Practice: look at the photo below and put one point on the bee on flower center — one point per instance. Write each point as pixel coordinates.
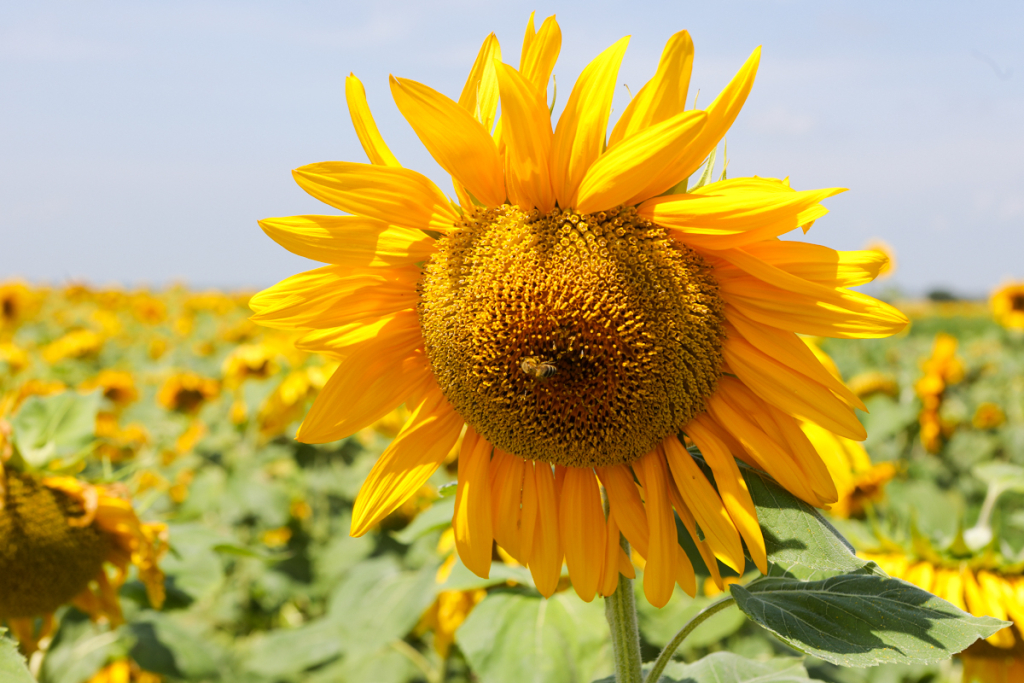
(537, 368)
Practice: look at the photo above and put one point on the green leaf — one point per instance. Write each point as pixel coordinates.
(1003, 475)
(12, 664)
(290, 651)
(862, 619)
(725, 667)
(800, 542)
(60, 426)
(437, 516)
(511, 637)
(177, 645)
(462, 579)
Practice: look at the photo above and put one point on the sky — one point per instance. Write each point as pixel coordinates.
(141, 142)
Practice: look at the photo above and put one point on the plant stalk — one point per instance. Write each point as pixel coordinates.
(666, 655)
(620, 611)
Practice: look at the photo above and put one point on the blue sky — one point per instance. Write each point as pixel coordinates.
(140, 142)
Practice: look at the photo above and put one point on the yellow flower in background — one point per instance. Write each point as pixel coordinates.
(857, 480)
(872, 382)
(118, 386)
(941, 369)
(14, 357)
(57, 536)
(124, 671)
(1007, 304)
(10, 402)
(186, 392)
(574, 311)
(75, 344)
(988, 416)
(148, 309)
(288, 401)
(17, 302)
(249, 361)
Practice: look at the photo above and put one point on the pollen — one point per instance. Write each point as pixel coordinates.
(44, 560)
(578, 340)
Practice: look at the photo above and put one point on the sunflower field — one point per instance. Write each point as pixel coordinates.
(175, 404)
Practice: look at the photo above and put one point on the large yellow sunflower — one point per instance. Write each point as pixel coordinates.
(573, 315)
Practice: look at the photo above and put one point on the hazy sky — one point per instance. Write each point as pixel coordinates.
(141, 141)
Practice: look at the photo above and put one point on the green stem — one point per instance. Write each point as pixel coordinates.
(666, 655)
(620, 611)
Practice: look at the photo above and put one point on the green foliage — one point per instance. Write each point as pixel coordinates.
(12, 664)
(61, 426)
(862, 619)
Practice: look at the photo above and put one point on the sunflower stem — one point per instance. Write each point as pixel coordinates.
(666, 655)
(620, 611)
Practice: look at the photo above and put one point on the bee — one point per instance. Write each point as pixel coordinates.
(537, 368)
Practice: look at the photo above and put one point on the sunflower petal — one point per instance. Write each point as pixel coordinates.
(625, 170)
(398, 196)
(546, 558)
(711, 514)
(820, 264)
(540, 52)
(389, 331)
(369, 384)
(528, 515)
(480, 94)
(624, 502)
(408, 462)
(612, 550)
(664, 96)
(474, 535)
(366, 130)
(580, 134)
(790, 350)
(794, 393)
(660, 570)
(507, 473)
(526, 132)
(731, 486)
(721, 114)
(456, 140)
(583, 531)
(690, 522)
(351, 241)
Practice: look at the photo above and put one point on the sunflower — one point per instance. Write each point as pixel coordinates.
(186, 392)
(1007, 304)
(58, 536)
(578, 312)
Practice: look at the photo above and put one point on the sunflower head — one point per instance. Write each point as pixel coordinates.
(186, 392)
(578, 340)
(1008, 305)
(47, 556)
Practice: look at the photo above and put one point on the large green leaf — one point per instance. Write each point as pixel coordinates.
(800, 542)
(512, 637)
(862, 619)
(12, 664)
(437, 516)
(287, 652)
(58, 426)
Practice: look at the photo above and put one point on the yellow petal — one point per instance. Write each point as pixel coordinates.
(539, 54)
(401, 329)
(721, 114)
(474, 536)
(820, 264)
(529, 513)
(625, 504)
(580, 134)
(852, 315)
(546, 558)
(526, 132)
(690, 522)
(664, 96)
(398, 196)
(582, 528)
(369, 137)
(458, 142)
(327, 298)
(351, 241)
(702, 499)
(794, 393)
(731, 486)
(507, 473)
(625, 169)
(731, 212)
(660, 570)
(369, 384)
(480, 94)
(789, 349)
(612, 550)
(408, 462)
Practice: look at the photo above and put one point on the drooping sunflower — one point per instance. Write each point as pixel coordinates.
(1008, 305)
(576, 315)
(63, 540)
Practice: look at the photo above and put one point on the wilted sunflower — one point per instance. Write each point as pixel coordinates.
(574, 312)
(1008, 305)
(57, 536)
